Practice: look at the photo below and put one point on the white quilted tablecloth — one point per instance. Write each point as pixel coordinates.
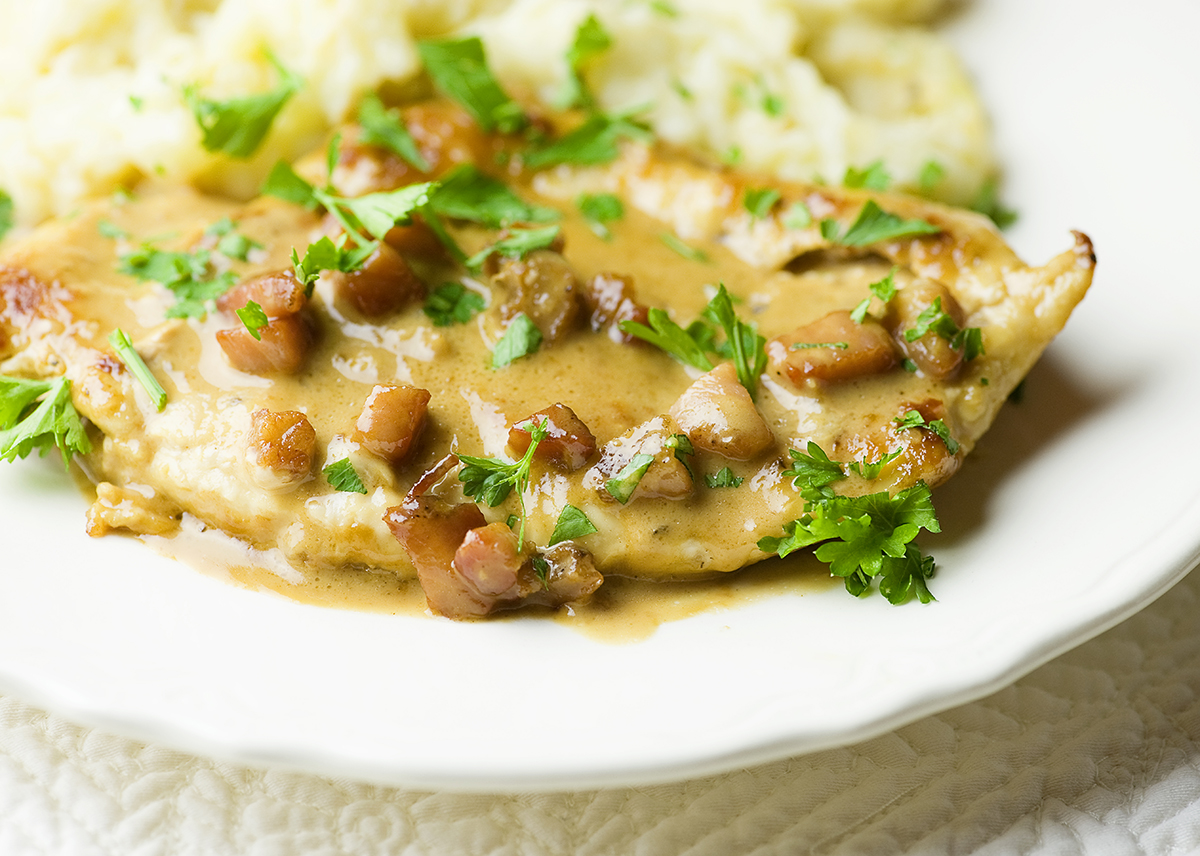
(1095, 752)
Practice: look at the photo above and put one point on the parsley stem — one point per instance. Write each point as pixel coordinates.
(134, 362)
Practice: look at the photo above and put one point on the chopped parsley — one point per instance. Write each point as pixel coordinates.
(688, 346)
(7, 218)
(742, 342)
(108, 229)
(798, 216)
(874, 225)
(492, 479)
(26, 425)
(516, 245)
(381, 128)
(987, 203)
(188, 276)
(254, 319)
(624, 483)
(968, 340)
(914, 419)
(458, 67)
(326, 254)
(134, 362)
(723, 477)
(683, 249)
(861, 538)
(596, 141)
(874, 176)
(591, 40)
(468, 194)
(804, 346)
(238, 126)
(342, 476)
(521, 339)
(759, 201)
(884, 289)
(572, 524)
(930, 177)
(231, 243)
(452, 303)
(600, 209)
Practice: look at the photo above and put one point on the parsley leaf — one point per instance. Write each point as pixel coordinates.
(813, 471)
(468, 194)
(53, 423)
(804, 346)
(884, 289)
(968, 340)
(930, 177)
(7, 218)
(591, 40)
(254, 319)
(670, 337)
(521, 339)
(108, 229)
(723, 477)
(593, 142)
(600, 209)
(238, 126)
(747, 347)
(872, 469)
(874, 176)
(987, 203)
(459, 69)
(623, 484)
(759, 201)
(518, 244)
(914, 419)
(492, 480)
(189, 276)
(798, 216)
(342, 476)
(381, 128)
(452, 303)
(874, 225)
(134, 362)
(686, 250)
(231, 243)
(572, 524)
(325, 254)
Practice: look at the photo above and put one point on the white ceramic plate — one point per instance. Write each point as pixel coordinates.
(1080, 508)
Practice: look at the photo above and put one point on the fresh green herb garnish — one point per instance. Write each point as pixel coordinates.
(452, 303)
(53, 423)
(572, 524)
(798, 216)
(492, 480)
(623, 484)
(189, 276)
(381, 128)
(874, 225)
(662, 7)
(591, 40)
(7, 217)
(968, 340)
(988, 203)
(861, 538)
(231, 243)
(459, 69)
(683, 249)
(326, 254)
(594, 142)
(468, 194)
(137, 103)
(600, 209)
(744, 345)
(342, 476)
(759, 201)
(884, 289)
(238, 126)
(804, 346)
(871, 470)
(914, 419)
(681, 90)
(664, 333)
(108, 229)
(930, 177)
(517, 245)
(723, 477)
(732, 156)
(874, 176)
(134, 362)
(521, 339)
(254, 319)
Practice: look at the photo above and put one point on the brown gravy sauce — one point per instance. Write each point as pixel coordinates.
(623, 610)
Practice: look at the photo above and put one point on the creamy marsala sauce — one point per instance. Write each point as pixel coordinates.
(202, 460)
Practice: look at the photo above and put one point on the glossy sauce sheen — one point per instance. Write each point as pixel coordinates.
(191, 458)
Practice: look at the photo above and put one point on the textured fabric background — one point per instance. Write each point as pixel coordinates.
(1096, 752)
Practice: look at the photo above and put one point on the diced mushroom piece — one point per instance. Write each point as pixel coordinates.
(924, 455)
(391, 421)
(571, 575)
(645, 461)
(568, 443)
(718, 415)
(544, 287)
(609, 298)
(282, 348)
(931, 351)
(280, 448)
(833, 348)
(415, 239)
(488, 560)
(383, 284)
(278, 292)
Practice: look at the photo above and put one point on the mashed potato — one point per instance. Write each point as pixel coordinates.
(92, 100)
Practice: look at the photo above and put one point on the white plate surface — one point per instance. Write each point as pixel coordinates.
(1081, 507)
